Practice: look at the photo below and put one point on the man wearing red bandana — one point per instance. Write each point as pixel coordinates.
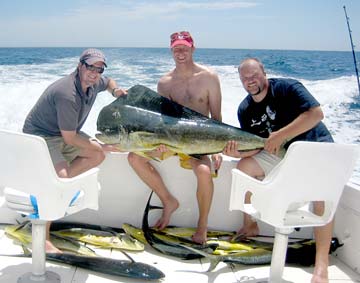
(196, 87)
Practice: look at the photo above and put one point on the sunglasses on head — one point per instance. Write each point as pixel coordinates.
(180, 35)
(93, 68)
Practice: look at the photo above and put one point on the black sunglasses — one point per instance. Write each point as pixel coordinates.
(93, 68)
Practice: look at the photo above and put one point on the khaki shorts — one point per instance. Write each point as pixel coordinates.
(60, 151)
(266, 161)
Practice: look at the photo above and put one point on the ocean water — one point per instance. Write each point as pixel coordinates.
(329, 76)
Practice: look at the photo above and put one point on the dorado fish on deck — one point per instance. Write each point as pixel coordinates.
(102, 239)
(98, 235)
(80, 256)
(170, 245)
(117, 267)
(249, 251)
(142, 120)
(104, 265)
(22, 234)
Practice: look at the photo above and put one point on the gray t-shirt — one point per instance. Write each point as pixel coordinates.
(62, 106)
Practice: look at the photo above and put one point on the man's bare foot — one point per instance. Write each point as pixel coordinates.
(320, 275)
(319, 279)
(250, 229)
(200, 236)
(169, 207)
(50, 248)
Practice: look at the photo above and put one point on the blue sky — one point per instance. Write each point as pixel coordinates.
(253, 24)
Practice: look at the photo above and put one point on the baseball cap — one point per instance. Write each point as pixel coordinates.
(181, 38)
(92, 55)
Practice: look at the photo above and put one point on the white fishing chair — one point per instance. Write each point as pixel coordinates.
(310, 171)
(32, 187)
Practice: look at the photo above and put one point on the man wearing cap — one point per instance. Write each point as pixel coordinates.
(62, 110)
(197, 87)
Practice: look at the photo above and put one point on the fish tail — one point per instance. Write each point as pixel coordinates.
(22, 225)
(145, 222)
(26, 251)
(214, 260)
(150, 206)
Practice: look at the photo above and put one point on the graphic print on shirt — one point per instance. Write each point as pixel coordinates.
(265, 123)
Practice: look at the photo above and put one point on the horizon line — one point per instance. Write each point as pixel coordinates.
(154, 47)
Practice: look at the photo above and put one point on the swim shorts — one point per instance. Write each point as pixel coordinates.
(184, 159)
(266, 160)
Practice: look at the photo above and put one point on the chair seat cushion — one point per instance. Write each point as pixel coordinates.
(20, 201)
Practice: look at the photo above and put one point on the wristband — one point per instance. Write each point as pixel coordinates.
(113, 91)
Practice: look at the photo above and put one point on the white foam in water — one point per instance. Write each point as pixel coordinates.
(21, 86)
(16, 102)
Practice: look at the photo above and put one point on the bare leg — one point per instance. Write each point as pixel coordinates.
(151, 177)
(250, 227)
(49, 247)
(323, 236)
(249, 166)
(86, 160)
(204, 194)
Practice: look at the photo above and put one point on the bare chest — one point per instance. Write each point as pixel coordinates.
(190, 94)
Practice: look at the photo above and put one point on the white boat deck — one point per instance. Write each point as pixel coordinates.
(122, 200)
(175, 270)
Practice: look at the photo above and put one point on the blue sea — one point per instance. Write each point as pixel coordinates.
(330, 77)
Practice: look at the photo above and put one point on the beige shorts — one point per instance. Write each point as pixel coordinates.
(60, 151)
(266, 160)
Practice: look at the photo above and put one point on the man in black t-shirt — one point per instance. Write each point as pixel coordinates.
(282, 111)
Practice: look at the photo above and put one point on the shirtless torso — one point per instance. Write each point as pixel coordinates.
(192, 85)
(198, 88)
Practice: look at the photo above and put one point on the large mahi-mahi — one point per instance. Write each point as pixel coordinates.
(142, 120)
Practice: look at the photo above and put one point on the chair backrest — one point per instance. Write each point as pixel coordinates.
(26, 166)
(25, 161)
(310, 171)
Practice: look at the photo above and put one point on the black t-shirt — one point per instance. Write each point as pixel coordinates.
(285, 101)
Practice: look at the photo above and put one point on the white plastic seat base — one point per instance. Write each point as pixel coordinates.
(28, 171)
(309, 172)
(48, 277)
(20, 201)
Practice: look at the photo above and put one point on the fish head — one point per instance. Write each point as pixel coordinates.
(124, 120)
(109, 117)
(110, 126)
